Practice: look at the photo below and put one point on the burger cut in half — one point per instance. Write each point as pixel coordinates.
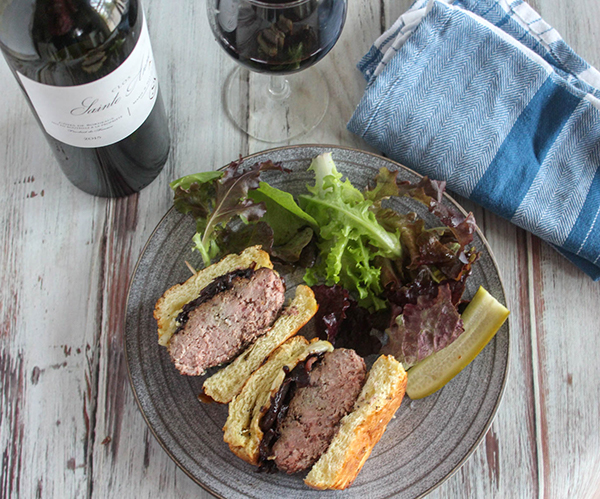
(229, 312)
(314, 409)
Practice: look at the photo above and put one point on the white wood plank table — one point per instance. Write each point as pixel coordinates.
(69, 425)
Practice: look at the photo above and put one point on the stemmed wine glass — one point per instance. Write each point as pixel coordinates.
(271, 40)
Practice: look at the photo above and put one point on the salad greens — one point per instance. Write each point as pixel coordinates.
(368, 258)
(424, 328)
(350, 237)
(215, 198)
(293, 229)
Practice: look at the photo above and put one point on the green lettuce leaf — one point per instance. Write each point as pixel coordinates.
(385, 187)
(196, 178)
(244, 236)
(350, 237)
(293, 228)
(283, 214)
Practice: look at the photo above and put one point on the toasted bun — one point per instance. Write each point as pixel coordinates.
(361, 429)
(242, 431)
(228, 382)
(169, 305)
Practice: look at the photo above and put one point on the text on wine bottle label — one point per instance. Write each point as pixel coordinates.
(105, 111)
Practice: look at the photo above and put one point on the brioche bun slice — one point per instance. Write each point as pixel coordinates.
(361, 429)
(170, 304)
(229, 381)
(242, 430)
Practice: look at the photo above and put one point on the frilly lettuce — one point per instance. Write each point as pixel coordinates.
(350, 236)
(423, 328)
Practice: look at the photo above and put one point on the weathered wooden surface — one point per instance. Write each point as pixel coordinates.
(69, 426)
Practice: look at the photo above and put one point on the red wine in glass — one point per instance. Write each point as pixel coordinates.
(279, 37)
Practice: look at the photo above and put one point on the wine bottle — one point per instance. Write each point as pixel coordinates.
(87, 70)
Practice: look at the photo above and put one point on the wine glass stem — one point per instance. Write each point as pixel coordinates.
(279, 87)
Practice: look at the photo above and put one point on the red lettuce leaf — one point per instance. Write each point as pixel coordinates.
(215, 198)
(424, 328)
(345, 324)
(386, 185)
(444, 251)
(192, 194)
(333, 302)
(357, 330)
(430, 193)
(232, 194)
(424, 284)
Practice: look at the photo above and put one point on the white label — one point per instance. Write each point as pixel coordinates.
(105, 111)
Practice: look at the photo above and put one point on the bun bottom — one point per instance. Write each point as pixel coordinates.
(360, 430)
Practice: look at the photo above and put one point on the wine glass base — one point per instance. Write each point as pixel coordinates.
(272, 114)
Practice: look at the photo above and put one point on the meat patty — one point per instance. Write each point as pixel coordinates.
(218, 329)
(316, 410)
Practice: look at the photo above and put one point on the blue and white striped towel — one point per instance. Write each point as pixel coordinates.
(486, 95)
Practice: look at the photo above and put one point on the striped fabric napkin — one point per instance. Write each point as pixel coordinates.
(486, 95)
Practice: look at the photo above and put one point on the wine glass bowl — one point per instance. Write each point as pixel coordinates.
(270, 40)
(279, 37)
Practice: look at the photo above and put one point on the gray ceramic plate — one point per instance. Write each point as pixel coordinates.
(426, 442)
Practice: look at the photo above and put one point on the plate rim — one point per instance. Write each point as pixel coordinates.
(455, 203)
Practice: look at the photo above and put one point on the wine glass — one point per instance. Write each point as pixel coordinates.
(272, 40)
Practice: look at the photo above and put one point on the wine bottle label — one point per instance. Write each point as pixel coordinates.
(105, 111)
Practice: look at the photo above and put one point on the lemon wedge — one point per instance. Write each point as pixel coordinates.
(481, 319)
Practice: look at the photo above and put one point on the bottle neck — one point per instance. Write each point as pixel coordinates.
(69, 29)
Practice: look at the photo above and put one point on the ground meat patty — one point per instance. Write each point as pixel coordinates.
(219, 329)
(316, 410)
